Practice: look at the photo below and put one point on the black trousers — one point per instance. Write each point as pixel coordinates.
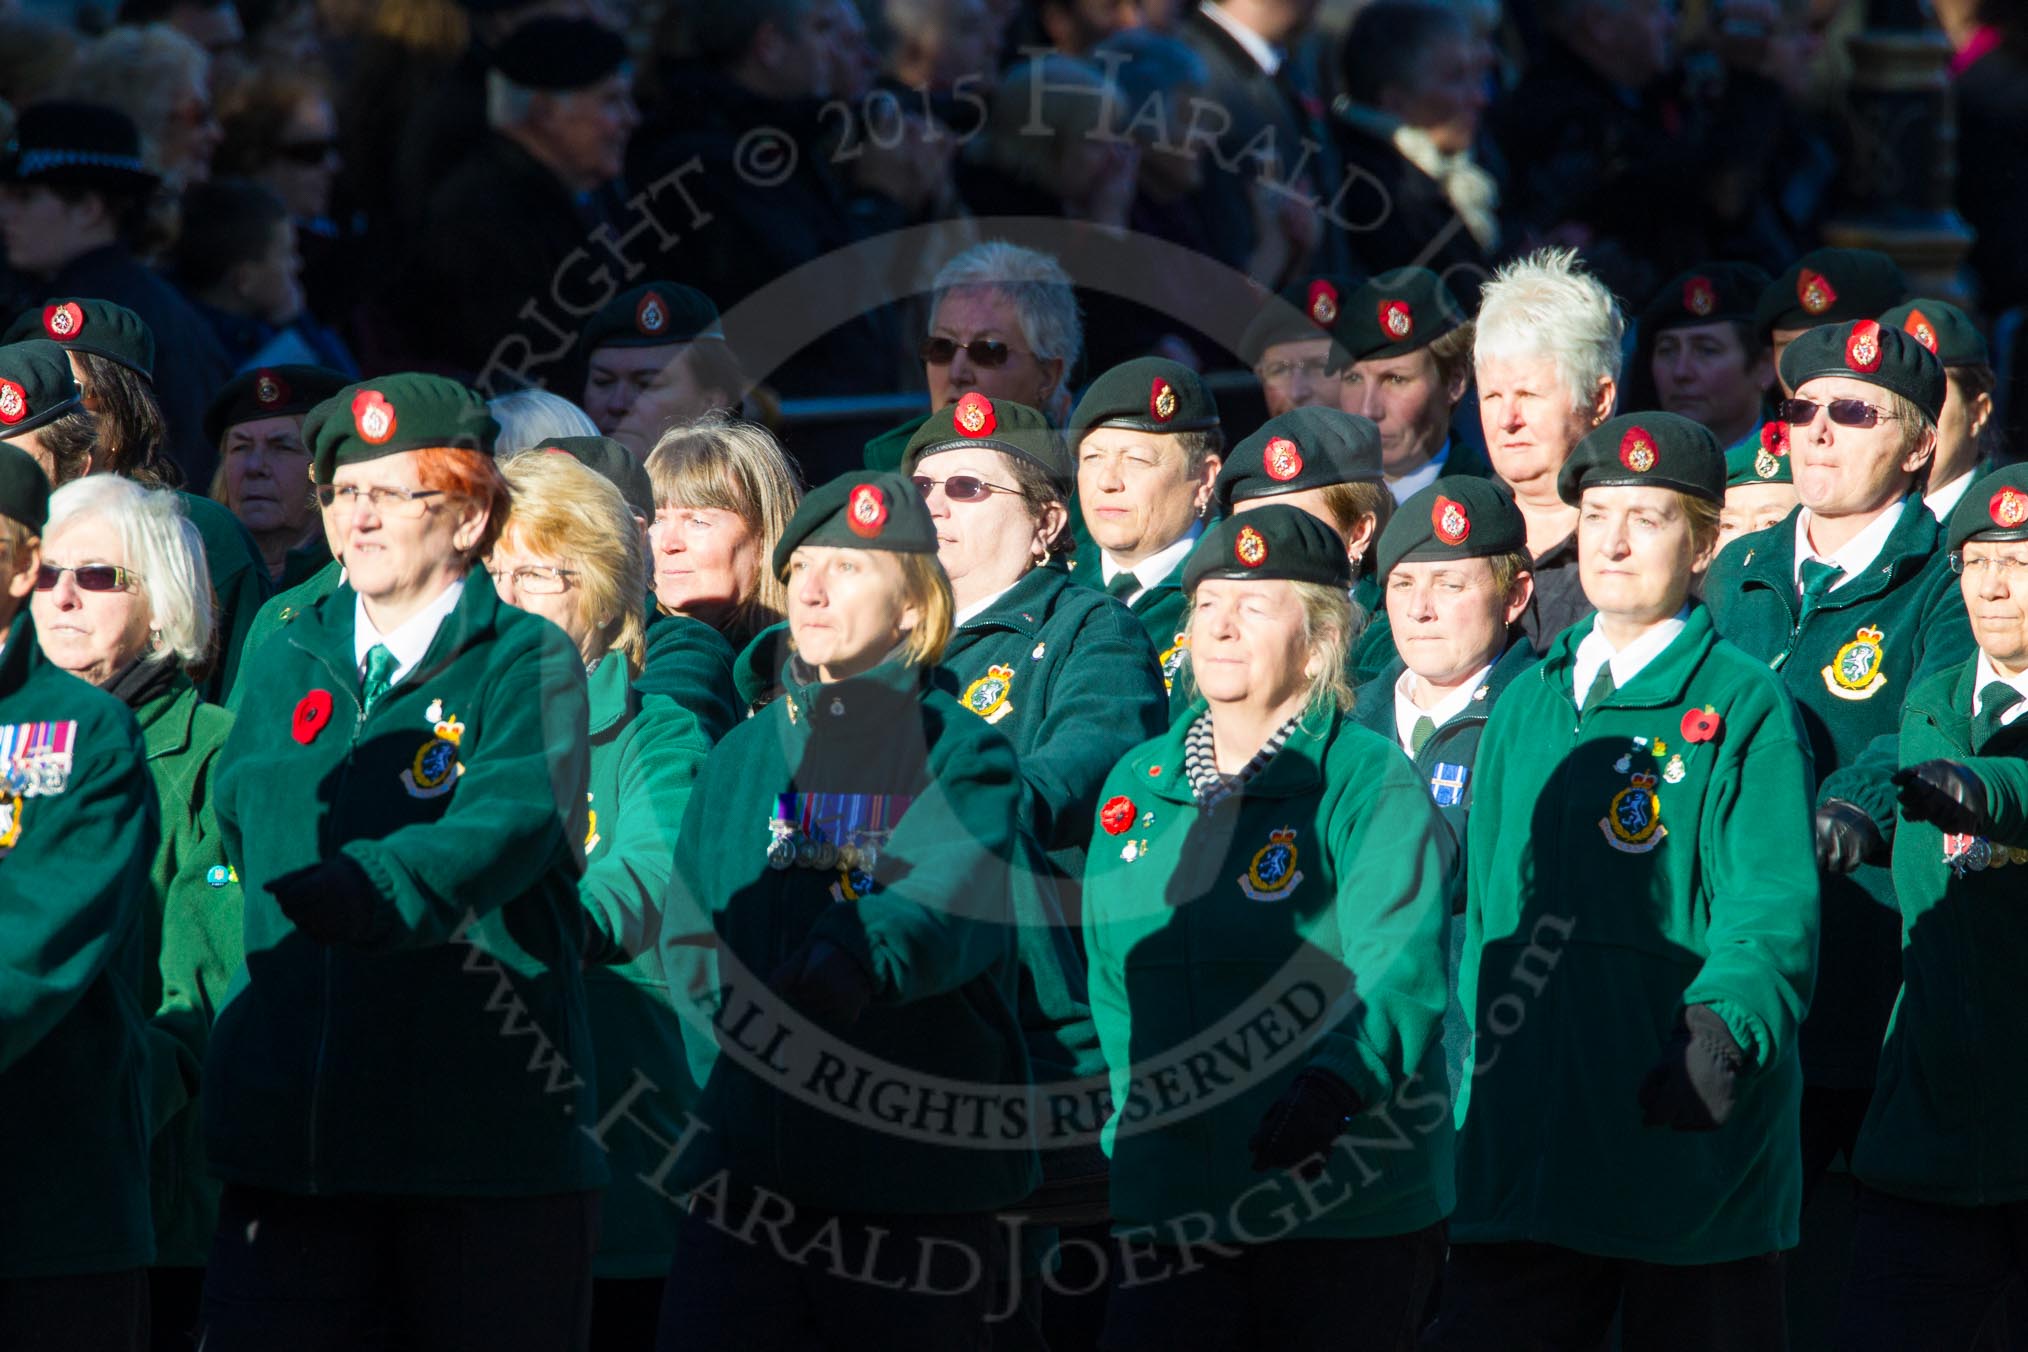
(1831, 1119)
(1294, 1295)
(94, 1312)
(1929, 1278)
(768, 1275)
(1541, 1298)
(400, 1274)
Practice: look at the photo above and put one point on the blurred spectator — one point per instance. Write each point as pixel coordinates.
(36, 55)
(1074, 27)
(1052, 147)
(73, 197)
(505, 222)
(212, 24)
(1156, 77)
(1414, 87)
(1288, 345)
(236, 260)
(656, 355)
(1990, 82)
(403, 54)
(1704, 353)
(282, 34)
(855, 65)
(939, 47)
(161, 79)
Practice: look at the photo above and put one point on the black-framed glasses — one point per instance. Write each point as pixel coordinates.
(408, 502)
(984, 352)
(962, 487)
(92, 577)
(1844, 412)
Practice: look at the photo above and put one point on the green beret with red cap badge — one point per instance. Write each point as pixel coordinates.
(1392, 315)
(269, 392)
(1459, 516)
(24, 488)
(614, 463)
(1831, 286)
(653, 315)
(1147, 394)
(36, 387)
(1646, 450)
(1710, 293)
(1303, 448)
(861, 510)
(1762, 458)
(1300, 311)
(1869, 351)
(1275, 541)
(1993, 508)
(1942, 328)
(410, 411)
(980, 422)
(97, 327)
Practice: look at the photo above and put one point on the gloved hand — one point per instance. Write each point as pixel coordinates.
(1847, 838)
(1696, 1083)
(332, 903)
(1945, 793)
(825, 982)
(1312, 1113)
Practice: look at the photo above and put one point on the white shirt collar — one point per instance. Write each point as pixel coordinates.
(1984, 675)
(1593, 652)
(411, 639)
(1156, 566)
(1859, 551)
(1264, 53)
(1413, 482)
(1406, 711)
(978, 608)
(1941, 500)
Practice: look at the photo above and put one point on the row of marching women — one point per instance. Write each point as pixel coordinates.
(1020, 894)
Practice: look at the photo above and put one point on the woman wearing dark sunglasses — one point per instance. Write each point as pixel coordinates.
(122, 601)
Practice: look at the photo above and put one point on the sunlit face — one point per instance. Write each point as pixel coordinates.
(94, 635)
(1637, 556)
(968, 313)
(1447, 616)
(1995, 587)
(847, 608)
(511, 565)
(707, 562)
(1849, 471)
(987, 544)
(1752, 507)
(1407, 399)
(1703, 372)
(616, 377)
(1247, 642)
(1530, 426)
(267, 475)
(1292, 376)
(398, 556)
(1137, 490)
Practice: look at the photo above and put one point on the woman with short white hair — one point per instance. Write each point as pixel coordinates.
(528, 418)
(1546, 358)
(123, 600)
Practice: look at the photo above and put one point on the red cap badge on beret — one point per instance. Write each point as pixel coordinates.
(1862, 349)
(651, 316)
(1698, 296)
(269, 389)
(2009, 508)
(63, 321)
(1283, 459)
(13, 402)
(1918, 327)
(974, 415)
(1250, 547)
(1323, 306)
(372, 417)
(1161, 400)
(866, 511)
(1815, 292)
(1397, 320)
(1637, 450)
(1450, 521)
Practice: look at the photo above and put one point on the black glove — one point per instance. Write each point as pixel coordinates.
(1695, 1084)
(1311, 1113)
(1945, 793)
(825, 982)
(1847, 838)
(332, 903)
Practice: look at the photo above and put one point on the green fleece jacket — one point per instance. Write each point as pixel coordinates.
(78, 826)
(447, 1053)
(239, 581)
(1646, 855)
(278, 611)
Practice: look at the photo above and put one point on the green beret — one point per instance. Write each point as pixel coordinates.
(860, 511)
(1993, 508)
(654, 315)
(976, 422)
(1459, 516)
(1148, 394)
(1942, 328)
(269, 392)
(612, 462)
(98, 327)
(1396, 313)
(1762, 458)
(36, 386)
(557, 54)
(1646, 450)
(1831, 286)
(1301, 311)
(1276, 541)
(410, 411)
(1303, 448)
(24, 488)
(1710, 293)
(1867, 351)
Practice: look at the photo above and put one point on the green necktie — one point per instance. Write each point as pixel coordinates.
(1601, 685)
(1995, 698)
(1419, 735)
(380, 665)
(1123, 586)
(1817, 579)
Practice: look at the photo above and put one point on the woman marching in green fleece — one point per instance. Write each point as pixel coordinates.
(1640, 944)
(1264, 913)
(840, 913)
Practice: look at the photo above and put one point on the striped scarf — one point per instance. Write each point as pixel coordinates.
(1200, 761)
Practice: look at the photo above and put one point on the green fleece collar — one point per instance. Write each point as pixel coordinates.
(1664, 681)
(1295, 770)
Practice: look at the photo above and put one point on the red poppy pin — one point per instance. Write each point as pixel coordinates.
(1774, 437)
(651, 316)
(1323, 305)
(1250, 547)
(1862, 349)
(63, 321)
(1699, 298)
(1918, 327)
(1702, 725)
(13, 402)
(1450, 520)
(372, 416)
(2009, 508)
(1161, 400)
(1815, 292)
(1397, 319)
(313, 711)
(974, 415)
(1117, 815)
(1283, 459)
(866, 511)
(1637, 450)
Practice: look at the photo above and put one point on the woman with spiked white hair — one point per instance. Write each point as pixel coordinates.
(1547, 361)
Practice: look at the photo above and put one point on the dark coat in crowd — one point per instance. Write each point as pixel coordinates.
(1395, 215)
(1992, 106)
